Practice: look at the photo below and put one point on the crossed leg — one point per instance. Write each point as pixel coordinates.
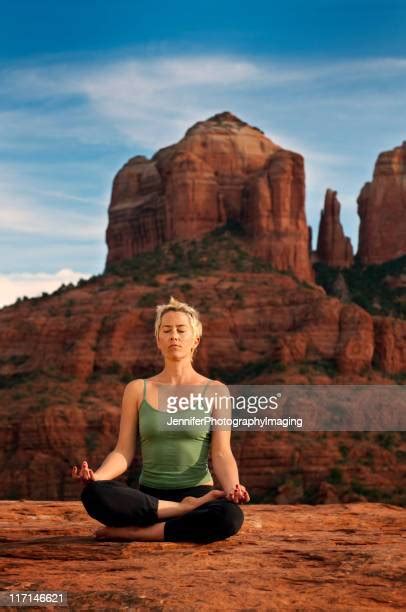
(156, 532)
(129, 514)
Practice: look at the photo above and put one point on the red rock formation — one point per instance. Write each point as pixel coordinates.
(65, 360)
(340, 555)
(333, 247)
(221, 170)
(390, 343)
(382, 209)
(355, 350)
(273, 214)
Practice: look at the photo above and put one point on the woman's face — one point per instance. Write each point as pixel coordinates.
(175, 338)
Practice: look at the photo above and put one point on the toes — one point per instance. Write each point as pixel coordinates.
(216, 494)
(101, 532)
(189, 500)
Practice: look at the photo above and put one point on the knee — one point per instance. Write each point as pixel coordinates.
(90, 492)
(230, 519)
(95, 502)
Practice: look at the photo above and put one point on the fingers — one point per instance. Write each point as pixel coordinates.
(234, 495)
(85, 473)
(244, 493)
(239, 494)
(75, 473)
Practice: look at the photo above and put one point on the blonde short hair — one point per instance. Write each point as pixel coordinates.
(177, 306)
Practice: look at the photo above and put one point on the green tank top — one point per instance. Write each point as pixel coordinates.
(172, 459)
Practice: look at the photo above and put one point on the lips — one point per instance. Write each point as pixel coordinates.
(174, 346)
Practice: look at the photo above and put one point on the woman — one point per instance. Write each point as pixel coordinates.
(176, 500)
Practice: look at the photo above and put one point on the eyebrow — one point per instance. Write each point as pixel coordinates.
(179, 325)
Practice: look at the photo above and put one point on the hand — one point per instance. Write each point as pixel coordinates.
(85, 475)
(238, 495)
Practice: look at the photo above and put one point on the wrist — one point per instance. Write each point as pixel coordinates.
(230, 487)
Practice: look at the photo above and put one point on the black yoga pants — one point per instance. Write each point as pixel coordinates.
(115, 504)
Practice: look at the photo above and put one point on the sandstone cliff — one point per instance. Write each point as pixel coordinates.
(65, 359)
(217, 220)
(333, 247)
(221, 170)
(382, 209)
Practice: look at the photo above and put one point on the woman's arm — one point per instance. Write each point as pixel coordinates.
(225, 468)
(118, 461)
(114, 465)
(224, 463)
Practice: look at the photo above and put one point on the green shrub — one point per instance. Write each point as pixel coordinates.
(113, 368)
(326, 366)
(118, 284)
(368, 458)
(367, 286)
(91, 441)
(15, 360)
(401, 456)
(247, 371)
(344, 450)
(41, 404)
(16, 379)
(223, 249)
(357, 435)
(147, 300)
(278, 366)
(335, 476)
(386, 439)
(372, 494)
(400, 378)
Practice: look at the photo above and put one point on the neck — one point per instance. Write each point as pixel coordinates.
(177, 372)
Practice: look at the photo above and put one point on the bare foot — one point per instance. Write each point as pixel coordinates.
(190, 503)
(151, 533)
(115, 533)
(104, 532)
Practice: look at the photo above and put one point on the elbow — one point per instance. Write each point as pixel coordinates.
(127, 456)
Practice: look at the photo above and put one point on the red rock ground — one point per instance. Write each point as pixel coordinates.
(337, 557)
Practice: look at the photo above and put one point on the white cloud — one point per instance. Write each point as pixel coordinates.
(152, 101)
(150, 75)
(21, 212)
(149, 103)
(13, 286)
(68, 196)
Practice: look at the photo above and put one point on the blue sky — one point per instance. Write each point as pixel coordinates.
(85, 85)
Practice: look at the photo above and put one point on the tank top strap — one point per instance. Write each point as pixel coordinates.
(204, 390)
(145, 389)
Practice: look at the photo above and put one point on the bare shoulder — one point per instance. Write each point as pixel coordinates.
(135, 389)
(135, 384)
(219, 385)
